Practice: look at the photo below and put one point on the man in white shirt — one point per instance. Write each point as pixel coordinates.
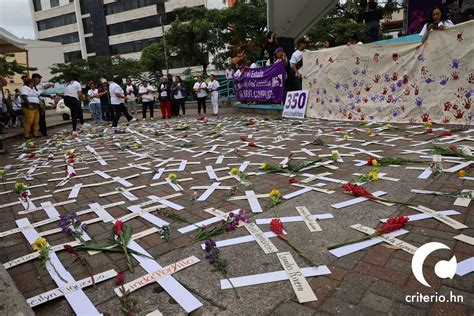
(131, 93)
(213, 86)
(296, 61)
(40, 87)
(117, 99)
(200, 88)
(148, 99)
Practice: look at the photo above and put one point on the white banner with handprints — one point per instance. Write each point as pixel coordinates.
(407, 82)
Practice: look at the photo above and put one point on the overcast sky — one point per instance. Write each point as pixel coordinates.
(15, 17)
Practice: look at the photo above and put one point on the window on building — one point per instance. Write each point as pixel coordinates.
(37, 5)
(90, 44)
(132, 47)
(87, 25)
(126, 5)
(71, 56)
(64, 39)
(84, 6)
(54, 3)
(133, 25)
(57, 21)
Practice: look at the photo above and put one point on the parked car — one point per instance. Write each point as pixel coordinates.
(63, 110)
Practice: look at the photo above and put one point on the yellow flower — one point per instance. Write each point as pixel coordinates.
(19, 186)
(2, 172)
(369, 132)
(461, 173)
(388, 125)
(275, 193)
(335, 155)
(172, 177)
(365, 122)
(264, 166)
(234, 171)
(374, 175)
(374, 162)
(346, 136)
(429, 124)
(39, 243)
(68, 152)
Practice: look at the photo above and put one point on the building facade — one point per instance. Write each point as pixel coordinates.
(104, 27)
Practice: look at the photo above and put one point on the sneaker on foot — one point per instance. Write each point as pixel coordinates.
(134, 119)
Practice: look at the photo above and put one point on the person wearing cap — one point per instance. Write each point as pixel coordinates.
(200, 88)
(104, 97)
(164, 90)
(148, 99)
(296, 61)
(30, 105)
(39, 88)
(213, 87)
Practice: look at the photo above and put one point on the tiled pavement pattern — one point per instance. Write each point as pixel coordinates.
(372, 281)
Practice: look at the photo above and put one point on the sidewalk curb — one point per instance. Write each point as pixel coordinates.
(13, 302)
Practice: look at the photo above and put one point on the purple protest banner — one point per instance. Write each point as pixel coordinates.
(264, 84)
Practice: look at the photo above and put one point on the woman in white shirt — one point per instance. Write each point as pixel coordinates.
(117, 99)
(30, 105)
(200, 88)
(213, 86)
(438, 21)
(94, 103)
(148, 99)
(72, 99)
(178, 88)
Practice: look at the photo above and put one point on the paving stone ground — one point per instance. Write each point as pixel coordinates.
(372, 281)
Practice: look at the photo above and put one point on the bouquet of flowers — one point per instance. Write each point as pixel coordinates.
(385, 161)
(72, 226)
(452, 151)
(230, 224)
(389, 226)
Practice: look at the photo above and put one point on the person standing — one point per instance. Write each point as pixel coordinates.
(39, 87)
(296, 62)
(94, 103)
(213, 87)
(270, 45)
(117, 100)
(200, 88)
(164, 91)
(148, 99)
(72, 99)
(372, 17)
(131, 92)
(179, 95)
(437, 21)
(16, 102)
(30, 105)
(104, 96)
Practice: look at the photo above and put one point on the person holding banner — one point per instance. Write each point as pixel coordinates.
(200, 88)
(438, 21)
(213, 86)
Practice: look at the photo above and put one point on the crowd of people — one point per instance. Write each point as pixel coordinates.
(107, 101)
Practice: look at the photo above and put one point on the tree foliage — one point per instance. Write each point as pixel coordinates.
(9, 66)
(96, 67)
(152, 62)
(344, 20)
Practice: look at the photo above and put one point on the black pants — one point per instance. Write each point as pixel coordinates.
(74, 106)
(42, 123)
(107, 114)
(147, 105)
(118, 110)
(201, 103)
(179, 103)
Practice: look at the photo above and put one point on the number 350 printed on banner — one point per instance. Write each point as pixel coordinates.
(295, 104)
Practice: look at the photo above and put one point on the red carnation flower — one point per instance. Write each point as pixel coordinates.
(453, 148)
(358, 191)
(293, 180)
(393, 224)
(252, 144)
(119, 280)
(244, 138)
(429, 130)
(118, 227)
(370, 161)
(277, 227)
(447, 133)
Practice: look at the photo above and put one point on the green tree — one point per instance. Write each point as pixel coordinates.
(346, 19)
(152, 62)
(194, 35)
(9, 66)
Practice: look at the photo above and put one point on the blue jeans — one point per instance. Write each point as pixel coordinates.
(96, 112)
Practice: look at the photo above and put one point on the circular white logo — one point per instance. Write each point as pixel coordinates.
(443, 269)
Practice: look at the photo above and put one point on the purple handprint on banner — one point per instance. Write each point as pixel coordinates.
(393, 87)
(399, 83)
(355, 72)
(345, 86)
(387, 78)
(468, 94)
(364, 71)
(419, 101)
(444, 80)
(337, 99)
(428, 79)
(421, 58)
(337, 86)
(355, 83)
(455, 63)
